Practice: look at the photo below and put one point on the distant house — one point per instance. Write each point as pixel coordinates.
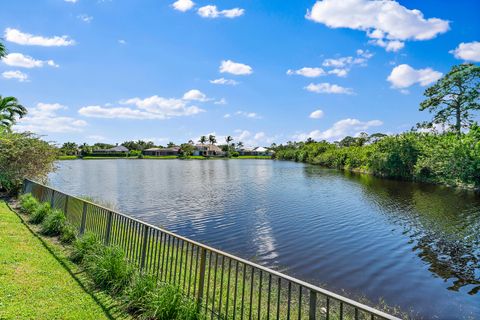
(114, 150)
(257, 151)
(208, 150)
(173, 151)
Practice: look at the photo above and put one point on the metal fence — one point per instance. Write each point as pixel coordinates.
(223, 285)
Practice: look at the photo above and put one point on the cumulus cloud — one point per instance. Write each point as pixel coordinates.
(20, 76)
(183, 5)
(71, 1)
(253, 138)
(467, 51)
(245, 114)
(387, 22)
(404, 76)
(317, 114)
(228, 66)
(19, 37)
(307, 72)
(153, 107)
(326, 87)
(196, 95)
(44, 118)
(211, 11)
(224, 81)
(340, 129)
(23, 61)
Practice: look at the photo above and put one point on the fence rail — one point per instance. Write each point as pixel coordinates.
(224, 286)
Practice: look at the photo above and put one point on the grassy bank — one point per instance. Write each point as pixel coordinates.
(36, 284)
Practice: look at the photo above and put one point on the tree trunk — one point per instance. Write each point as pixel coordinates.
(458, 124)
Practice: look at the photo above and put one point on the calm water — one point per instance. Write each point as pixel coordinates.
(415, 245)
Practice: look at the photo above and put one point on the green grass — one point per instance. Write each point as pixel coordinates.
(107, 158)
(36, 284)
(67, 157)
(160, 157)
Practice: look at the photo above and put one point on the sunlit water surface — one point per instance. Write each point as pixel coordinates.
(417, 246)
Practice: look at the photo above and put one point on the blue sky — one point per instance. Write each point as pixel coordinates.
(111, 71)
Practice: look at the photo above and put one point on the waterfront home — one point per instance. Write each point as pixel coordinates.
(257, 151)
(208, 150)
(173, 151)
(114, 150)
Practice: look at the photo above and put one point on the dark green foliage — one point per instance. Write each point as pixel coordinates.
(68, 233)
(136, 294)
(162, 303)
(28, 203)
(53, 223)
(40, 213)
(431, 157)
(85, 245)
(109, 269)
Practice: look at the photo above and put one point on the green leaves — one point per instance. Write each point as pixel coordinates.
(10, 109)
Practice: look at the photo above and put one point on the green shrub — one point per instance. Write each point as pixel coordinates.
(162, 303)
(68, 233)
(85, 245)
(137, 292)
(42, 210)
(109, 268)
(28, 203)
(53, 223)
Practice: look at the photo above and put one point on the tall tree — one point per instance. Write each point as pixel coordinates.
(9, 110)
(212, 139)
(454, 97)
(202, 140)
(3, 50)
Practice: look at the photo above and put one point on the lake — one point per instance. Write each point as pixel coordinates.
(417, 246)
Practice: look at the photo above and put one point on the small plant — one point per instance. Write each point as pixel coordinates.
(28, 203)
(137, 292)
(53, 223)
(109, 268)
(42, 210)
(83, 246)
(162, 303)
(68, 233)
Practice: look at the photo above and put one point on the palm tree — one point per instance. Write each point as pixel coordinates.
(3, 50)
(9, 109)
(202, 140)
(211, 139)
(239, 144)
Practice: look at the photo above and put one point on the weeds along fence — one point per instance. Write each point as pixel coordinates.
(223, 285)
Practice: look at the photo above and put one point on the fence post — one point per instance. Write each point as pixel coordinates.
(66, 205)
(201, 280)
(52, 198)
(109, 228)
(144, 246)
(84, 218)
(313, 305)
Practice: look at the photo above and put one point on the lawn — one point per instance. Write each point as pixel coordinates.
(37, 281)
(67, 158)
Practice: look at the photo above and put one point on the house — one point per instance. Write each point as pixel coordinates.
(208, 150)
(114, 150)
(257, 151)
(173, 151)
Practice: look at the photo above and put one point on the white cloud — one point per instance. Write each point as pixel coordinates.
(342, 65)
(228, 115)
(222, 101)
(85, 18)
(121, 41)
(230, 82)
(19, 37)
(339, 72)
(44, 119)
(339, 130)
(326, 87)
(467, 51)
(390, 46)
(317, 114)
(307, 72)
(211, 11)
(96, 138)
(20, 60)
(20, 76)
(253, 139)
(195, 95)
(183, 5)
(404, 76)
(384, 21)
(153, 107)
(251, 115)
(71, 1)
(228, 66)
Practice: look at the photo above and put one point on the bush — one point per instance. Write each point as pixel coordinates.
(53, 223)
(23, 155)
(42, 210)
(162, 303)
(85, 245)
(28, 203)
(109, 268)
(68, 234)
(137, 292)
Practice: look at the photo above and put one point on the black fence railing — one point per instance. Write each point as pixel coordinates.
(224, 286)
